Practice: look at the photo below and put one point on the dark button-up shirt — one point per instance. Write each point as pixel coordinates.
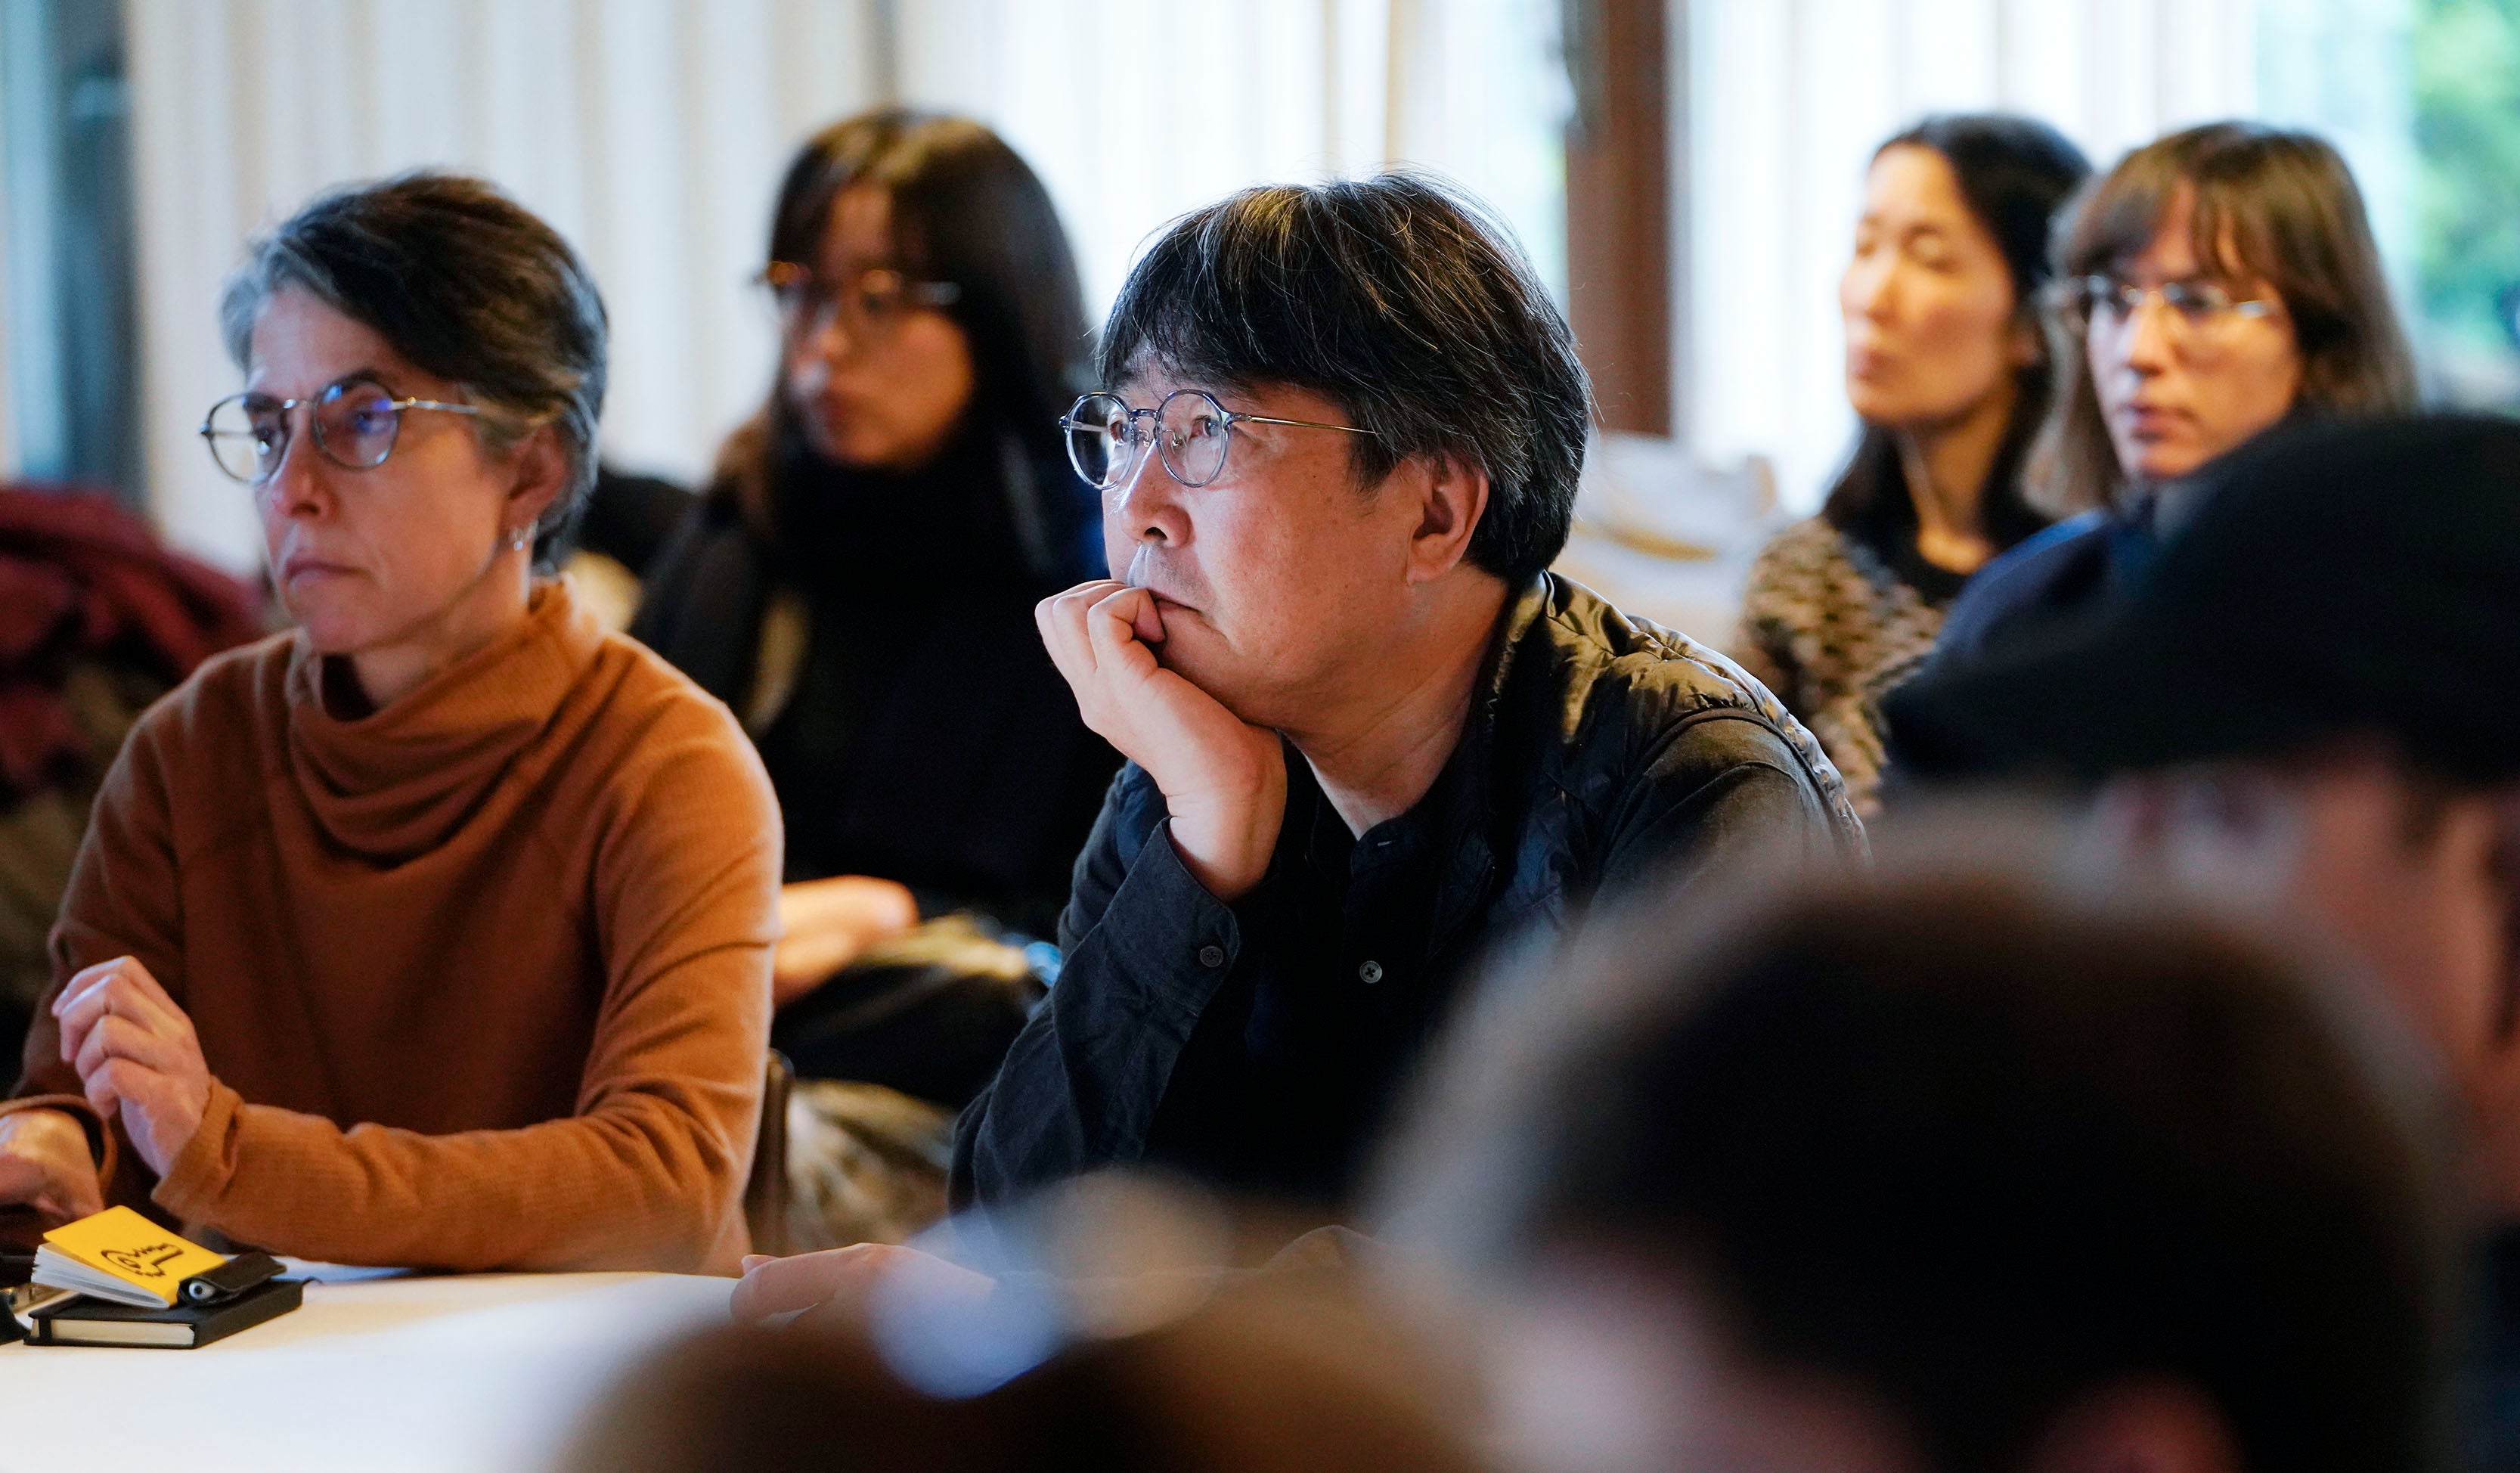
(1259, 1045)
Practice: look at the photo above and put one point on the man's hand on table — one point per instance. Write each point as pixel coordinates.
(44, 1164)
(1224, 780)
(827, 923)
(136, 1055)
(836, 1275)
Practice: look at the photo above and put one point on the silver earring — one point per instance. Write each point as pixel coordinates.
(520, 538)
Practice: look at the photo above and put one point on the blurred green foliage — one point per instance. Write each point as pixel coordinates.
(2466, 63)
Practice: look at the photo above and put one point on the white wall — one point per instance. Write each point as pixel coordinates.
(651, 133)
(1788, 98)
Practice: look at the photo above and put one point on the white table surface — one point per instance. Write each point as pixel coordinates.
(480, 1373)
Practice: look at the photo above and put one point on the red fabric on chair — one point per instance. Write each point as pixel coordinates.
(80, 575)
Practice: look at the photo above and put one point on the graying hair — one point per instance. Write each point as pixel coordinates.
(463, 282)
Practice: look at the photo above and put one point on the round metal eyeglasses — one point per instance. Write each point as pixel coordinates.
(1106, 439)
(356, 423)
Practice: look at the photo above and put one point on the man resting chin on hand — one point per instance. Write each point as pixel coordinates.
(1368, 736)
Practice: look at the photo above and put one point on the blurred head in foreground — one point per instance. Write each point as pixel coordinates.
(1936, 1172)
(2309, 707)
(1252, 1383)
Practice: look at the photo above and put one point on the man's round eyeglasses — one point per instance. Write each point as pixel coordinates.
(867, 308)
(1190, 431)
(356, 424)
(2196, 304)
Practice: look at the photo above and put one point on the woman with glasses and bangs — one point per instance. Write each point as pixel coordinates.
(435, 932)
(859, 585)
(2214, 284)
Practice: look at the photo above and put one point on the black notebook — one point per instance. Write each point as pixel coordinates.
(82, 1320)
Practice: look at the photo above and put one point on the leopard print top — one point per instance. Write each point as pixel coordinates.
(1830, 627)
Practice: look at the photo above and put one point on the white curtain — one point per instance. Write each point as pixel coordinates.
(1135, 113)
(1788, 98)
(651, 133)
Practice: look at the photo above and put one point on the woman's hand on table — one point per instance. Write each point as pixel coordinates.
(810, 1280)
(44, 1164)
(827, 923)
(137, 1057)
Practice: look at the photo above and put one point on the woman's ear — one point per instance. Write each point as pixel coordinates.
(539, 468)
(1451, 495)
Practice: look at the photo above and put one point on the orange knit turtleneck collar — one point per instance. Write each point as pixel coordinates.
(398, 782)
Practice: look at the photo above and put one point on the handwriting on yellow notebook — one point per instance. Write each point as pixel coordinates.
(119, 1255)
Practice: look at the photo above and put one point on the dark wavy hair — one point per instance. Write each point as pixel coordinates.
(462, 280)
(1403, 301)
(2013, 173)
(2270, 204)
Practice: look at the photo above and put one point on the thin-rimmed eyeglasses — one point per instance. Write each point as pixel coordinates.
(1192, 433)
(2194, 302)
(356, 422)
(867, 307)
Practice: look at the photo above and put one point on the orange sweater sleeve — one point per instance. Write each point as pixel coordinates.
(650, 1171)
(122, 900)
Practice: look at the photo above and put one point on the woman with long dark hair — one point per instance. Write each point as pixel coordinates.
(859, 582)
(1948, 368)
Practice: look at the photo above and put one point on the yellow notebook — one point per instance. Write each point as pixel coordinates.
(121, 1256)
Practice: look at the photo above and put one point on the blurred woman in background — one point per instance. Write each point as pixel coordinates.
(1949, 371)
(2217, 283)
(859, 583)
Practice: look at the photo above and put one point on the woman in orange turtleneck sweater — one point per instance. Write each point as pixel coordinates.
(437, 931)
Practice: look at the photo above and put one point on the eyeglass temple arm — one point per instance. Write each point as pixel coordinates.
(285, 404)
(1232, 416)
(1298, 423)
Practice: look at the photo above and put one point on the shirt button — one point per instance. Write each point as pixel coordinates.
(1371, 973)
(1211, 956)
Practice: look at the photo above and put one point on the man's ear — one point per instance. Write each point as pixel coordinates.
(538, 468)
(1451, 495)
(2146, 1425)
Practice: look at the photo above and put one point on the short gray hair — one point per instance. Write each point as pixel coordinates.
(465, 284)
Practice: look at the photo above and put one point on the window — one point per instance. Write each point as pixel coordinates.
(65, 173)
(2423, 97)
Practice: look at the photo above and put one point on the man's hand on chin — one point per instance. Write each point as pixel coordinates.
(1224, 780)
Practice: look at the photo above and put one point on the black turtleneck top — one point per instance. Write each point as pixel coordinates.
(926, 738)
